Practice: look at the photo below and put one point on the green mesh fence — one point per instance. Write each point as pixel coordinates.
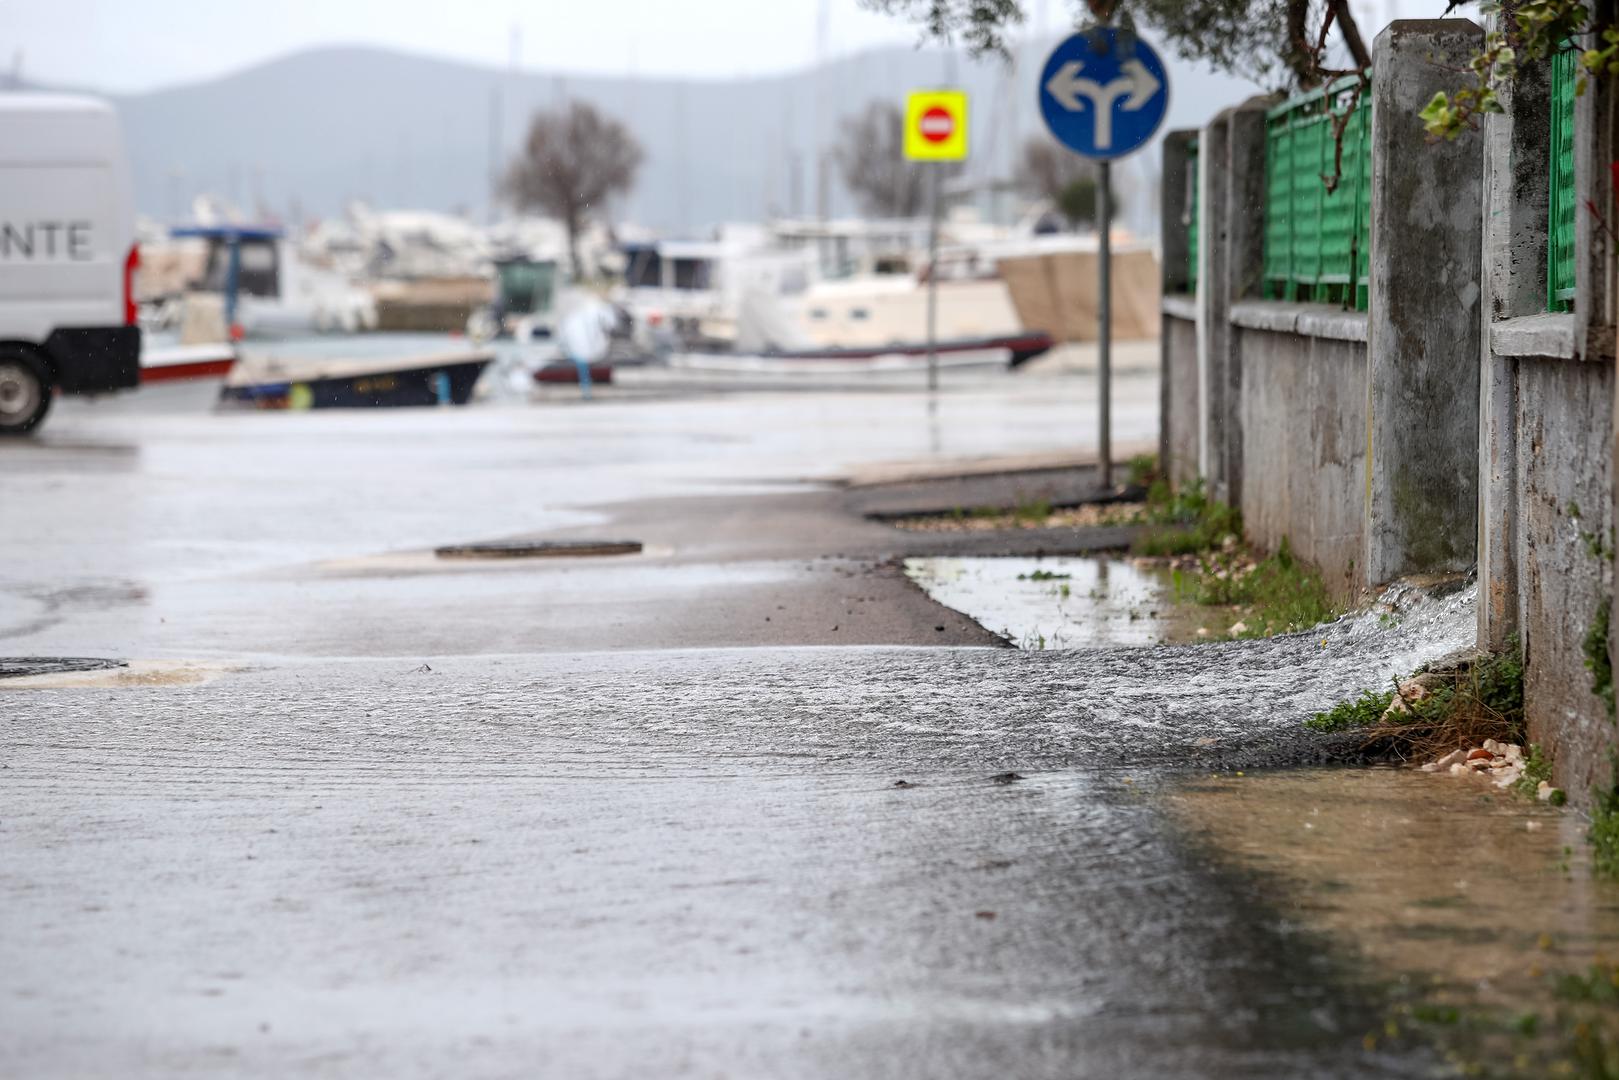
(1560, 228)
(1317, 242)
(1193, 179)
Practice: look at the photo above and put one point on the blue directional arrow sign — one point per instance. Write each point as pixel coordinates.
(1103, 93)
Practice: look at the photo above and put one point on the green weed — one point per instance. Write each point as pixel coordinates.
(1603, 835)
(1143, 470)
(1536, 767)
(1596, 656)
(1360, 712)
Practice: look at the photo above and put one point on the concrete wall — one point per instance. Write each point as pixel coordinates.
(1458, 419)
(1304, 425)
(1564, 416)
(1545, 437)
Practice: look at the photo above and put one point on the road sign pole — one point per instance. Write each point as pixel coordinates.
(1103, 94)
(1104, 317)
(933, 277)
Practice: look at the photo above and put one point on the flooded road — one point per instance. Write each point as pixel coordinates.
(348, 813)
(600, 862)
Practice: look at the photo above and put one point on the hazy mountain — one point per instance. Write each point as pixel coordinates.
(310, 130)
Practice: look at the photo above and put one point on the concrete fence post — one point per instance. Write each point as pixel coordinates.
(1423, 327)
(1213, 306)
(1242, 276)
(1517, 193)
(1175, 276)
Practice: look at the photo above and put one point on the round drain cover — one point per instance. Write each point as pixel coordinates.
(537, 549)
(14, 667)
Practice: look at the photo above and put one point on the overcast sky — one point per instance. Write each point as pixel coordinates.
(131, 45)
(139, 44)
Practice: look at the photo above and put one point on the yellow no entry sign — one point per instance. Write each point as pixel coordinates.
(936, 125)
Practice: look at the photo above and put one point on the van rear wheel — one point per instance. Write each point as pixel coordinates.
(25, 391)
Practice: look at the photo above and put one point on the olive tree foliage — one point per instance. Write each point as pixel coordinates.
(1276, 43)
(572, 161)
(871, 158)
(1522, 31)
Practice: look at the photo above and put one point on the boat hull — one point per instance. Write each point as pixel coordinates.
(1006, 350)
(436, 384)
(600, 374)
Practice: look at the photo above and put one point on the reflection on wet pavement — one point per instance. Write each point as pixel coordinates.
(1060, 602)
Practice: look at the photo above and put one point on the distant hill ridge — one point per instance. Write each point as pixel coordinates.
(314, 128)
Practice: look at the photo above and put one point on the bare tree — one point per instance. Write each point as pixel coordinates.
(1064, 178)
(574, 159)
(871, 157)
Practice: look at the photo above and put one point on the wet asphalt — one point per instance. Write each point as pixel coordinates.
(349, 813)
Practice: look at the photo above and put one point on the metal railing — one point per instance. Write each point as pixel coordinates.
(1562, 204)
(1317, 241)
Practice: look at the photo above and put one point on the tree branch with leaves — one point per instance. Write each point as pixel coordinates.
(1526, 31)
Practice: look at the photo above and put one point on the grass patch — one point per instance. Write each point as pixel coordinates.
(1276, 595)
(1044, 575)
(1032, 511)
(1464, 705)
(1184, 522)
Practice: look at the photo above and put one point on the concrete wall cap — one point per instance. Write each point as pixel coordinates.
(1306, 320)
(1549, 335)
(1180, 306)
(1430, 27)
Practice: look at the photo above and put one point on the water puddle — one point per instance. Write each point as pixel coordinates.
(1476, 908)
(1061, 602)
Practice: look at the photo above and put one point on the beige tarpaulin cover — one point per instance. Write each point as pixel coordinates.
(1056, 292)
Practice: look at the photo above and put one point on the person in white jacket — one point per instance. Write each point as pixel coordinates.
(583, 335)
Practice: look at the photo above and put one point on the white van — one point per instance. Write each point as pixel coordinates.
(67, 255)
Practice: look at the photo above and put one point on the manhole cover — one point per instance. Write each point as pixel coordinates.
(15, 667)
(537, 549)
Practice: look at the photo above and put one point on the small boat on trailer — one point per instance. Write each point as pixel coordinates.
(288, 382)
(1004, 350)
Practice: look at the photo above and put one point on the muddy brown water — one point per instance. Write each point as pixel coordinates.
(1455, 895)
